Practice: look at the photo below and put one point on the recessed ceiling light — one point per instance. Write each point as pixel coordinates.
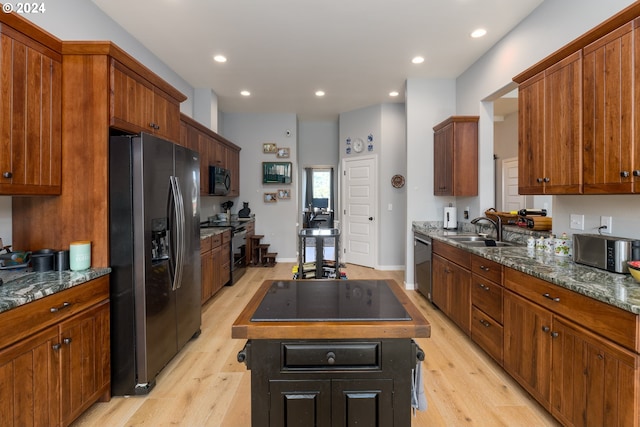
(220, 58)
(394, 93)
(418, 60)
(245, 93)
(478, 33)
(319, 93)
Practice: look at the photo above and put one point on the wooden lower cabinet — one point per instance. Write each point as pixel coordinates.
(50, 377)
(581, 378)
(451, 291)
(594, 382)
(527, 345)
(215, 263)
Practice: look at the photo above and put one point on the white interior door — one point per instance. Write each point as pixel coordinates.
(360, 195)
(511, 200)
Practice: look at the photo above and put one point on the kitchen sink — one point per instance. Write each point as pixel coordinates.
(476, 241)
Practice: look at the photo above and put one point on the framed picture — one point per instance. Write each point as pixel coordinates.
(270, 197)
(269, 147)
(284, 193)
(283, 152)
(276, 172)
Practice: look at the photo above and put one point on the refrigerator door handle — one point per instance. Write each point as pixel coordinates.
(178, 223)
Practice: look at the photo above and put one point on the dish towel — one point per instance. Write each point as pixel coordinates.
(418, 398)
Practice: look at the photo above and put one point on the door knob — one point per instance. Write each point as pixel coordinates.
(370, 218)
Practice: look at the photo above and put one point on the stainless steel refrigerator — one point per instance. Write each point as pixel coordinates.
(154, 231)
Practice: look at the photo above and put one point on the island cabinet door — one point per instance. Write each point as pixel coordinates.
(299, 404)
(362, 403)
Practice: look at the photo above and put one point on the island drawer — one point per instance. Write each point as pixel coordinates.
(331, 355)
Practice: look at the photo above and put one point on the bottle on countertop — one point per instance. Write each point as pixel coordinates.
(531, 242)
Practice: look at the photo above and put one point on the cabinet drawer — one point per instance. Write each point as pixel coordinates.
(329, 355)
(37, 315)
(205, 245)
(216, 240)
(457, 255)
(487, 296)
(486, 268)
(226, 237)
(487, 333)
(606, 320)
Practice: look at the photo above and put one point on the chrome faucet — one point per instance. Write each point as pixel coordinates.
(496, 224)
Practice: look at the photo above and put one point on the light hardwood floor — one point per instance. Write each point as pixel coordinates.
(204, 385)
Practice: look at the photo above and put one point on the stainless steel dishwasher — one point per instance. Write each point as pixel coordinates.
(422, 264)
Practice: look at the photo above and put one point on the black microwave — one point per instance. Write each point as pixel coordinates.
(219, 181)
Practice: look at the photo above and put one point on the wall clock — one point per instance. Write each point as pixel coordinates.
(397, 181)
(358, 145)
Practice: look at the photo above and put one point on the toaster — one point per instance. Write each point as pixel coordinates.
(606, 252)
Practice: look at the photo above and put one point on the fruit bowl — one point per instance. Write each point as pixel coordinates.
(634, 269)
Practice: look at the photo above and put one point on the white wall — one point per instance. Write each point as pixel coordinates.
(276, 221)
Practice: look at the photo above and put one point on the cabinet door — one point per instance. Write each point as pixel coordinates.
(527, 345)
(443, 161)
(362, 402)
(29, 387)
(131, 101)
(207, 274)
(85, 360)
(531, 136)
(593, 380)
(439, 291)
(166, 116)
(204, 147)
(608, 119)
(459, 287)
(299, 404)
(563, 127)
(233, 164)
(217, 268)
(30, 117)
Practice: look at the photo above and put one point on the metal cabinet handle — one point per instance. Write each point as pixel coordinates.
(539, 180)
(546, 329)
(331, 358)
(624, 174)
(56, 346)
(545, 179)
(486, 288)
(484, 323)
(62, 307)
(636, 172)
(67, 341)
(555, 334)
(7, 174)
(482, 267)
(547, 296)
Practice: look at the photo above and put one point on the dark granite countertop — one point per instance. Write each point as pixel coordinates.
(619, 290)
(21, 287)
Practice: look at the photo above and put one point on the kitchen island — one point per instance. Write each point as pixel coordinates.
(330, 352)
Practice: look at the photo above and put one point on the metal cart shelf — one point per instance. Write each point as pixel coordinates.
(318, 250)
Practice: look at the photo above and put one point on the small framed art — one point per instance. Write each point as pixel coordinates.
(284, 194)
(269, 147)
(283, 152)
(270, 197)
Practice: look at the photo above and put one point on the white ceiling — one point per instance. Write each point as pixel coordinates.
(282, 51)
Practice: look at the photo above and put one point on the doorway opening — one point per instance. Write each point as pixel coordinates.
(319, 197)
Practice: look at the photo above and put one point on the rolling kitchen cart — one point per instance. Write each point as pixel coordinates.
(318, 251)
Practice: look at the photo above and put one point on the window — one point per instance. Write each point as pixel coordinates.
(319, 188)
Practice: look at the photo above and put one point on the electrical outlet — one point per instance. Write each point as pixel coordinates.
(606, 221)
(577, 222)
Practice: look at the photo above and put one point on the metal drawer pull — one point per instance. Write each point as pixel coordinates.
(62, 307)
(486, 288)
(67, 341)
(331, 358)
(556, 299)
(56, 347)
(482, 267)
(555, 334)
(484, 323)
(546, 329)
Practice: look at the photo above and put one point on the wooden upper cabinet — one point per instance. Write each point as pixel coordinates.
(609, 165)
(455, 156)
(550, 130)
(139, 106)
(30, 116)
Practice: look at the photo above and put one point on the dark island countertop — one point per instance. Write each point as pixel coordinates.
(326, 309)
(21, 286)
(619, 290)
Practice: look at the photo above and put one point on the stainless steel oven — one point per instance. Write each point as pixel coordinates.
(238, 253)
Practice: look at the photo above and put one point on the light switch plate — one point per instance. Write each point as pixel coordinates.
(606, 221)
(577, 222)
